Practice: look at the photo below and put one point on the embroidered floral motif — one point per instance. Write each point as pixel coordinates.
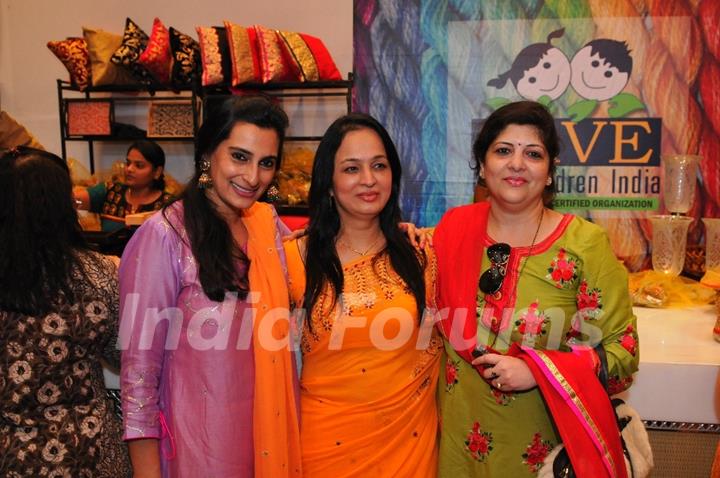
(628, 340)
(502, 398)
(536, 452)
(479, 443)
(452, 370)
(617, 385)
(563, 269)
(589, 301)
(532, 322)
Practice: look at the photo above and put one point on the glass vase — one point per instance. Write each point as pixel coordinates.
(680, 172)
(669, 238)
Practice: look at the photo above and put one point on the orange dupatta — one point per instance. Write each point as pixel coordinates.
(275, 415)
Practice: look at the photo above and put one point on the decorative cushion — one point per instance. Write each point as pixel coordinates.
(301, 55)
(186, 57)
(273, 61)
(73, 53)
(156, 58)
(134, 41)
(215, 56)
(326, 65)
(245, 63)
(101, 46)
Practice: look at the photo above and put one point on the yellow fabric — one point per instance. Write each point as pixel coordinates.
(243, 70)
(367, 411)
(101, 46)
(654, 289)
(276, 430)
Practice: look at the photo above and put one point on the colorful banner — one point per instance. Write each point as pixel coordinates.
(628, 81)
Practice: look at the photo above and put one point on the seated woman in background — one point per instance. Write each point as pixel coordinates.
(533, 301)
(58, 318)
(142, 191)
(370, 363)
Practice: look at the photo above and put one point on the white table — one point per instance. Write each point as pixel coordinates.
(679, 376)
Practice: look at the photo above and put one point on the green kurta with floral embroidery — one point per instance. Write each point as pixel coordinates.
(567, 289)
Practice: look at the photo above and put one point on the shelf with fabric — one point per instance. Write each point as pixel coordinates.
(89, 115)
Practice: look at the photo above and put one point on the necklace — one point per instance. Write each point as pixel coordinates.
(542, 213)
(360, 253)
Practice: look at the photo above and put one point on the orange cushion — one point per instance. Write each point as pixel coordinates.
(325, 63)
(215, 55)
(242, 43)
(273, 59)
(157, 57)
(73, 53)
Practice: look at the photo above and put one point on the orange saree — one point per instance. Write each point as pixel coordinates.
(369, 376)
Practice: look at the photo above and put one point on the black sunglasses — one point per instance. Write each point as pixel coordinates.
(491, 280)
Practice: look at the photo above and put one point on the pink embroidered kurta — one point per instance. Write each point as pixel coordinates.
(190, 384)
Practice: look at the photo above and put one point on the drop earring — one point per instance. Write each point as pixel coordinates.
(548, 182)
(272, 194)
(204, 181)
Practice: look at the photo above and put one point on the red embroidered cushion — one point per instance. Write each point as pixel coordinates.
(299, 56)
(73, 53)
(325, 63)
(157, 58)
(245, 63)
(274, 65)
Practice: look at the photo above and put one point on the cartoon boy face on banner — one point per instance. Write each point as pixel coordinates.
(601, 69)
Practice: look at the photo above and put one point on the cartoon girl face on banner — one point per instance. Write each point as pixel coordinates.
(538, 70)
(601, 69)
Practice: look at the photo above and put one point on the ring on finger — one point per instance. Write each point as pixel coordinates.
(498, 385)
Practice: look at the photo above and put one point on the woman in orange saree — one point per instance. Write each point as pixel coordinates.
(370, 365)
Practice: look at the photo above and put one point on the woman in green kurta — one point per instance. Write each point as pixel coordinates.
(554, 286)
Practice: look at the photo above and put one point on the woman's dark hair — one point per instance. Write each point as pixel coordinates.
(40, 235)
(155, 155)
(212, 243)
(322, 264)
(522, 113)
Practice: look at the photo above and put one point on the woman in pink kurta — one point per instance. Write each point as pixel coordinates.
(183, 377)
(201, 395)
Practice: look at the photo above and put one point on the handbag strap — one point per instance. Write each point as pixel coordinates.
(603, 372)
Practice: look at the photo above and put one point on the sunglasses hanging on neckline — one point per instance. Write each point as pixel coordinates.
(492, 279)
